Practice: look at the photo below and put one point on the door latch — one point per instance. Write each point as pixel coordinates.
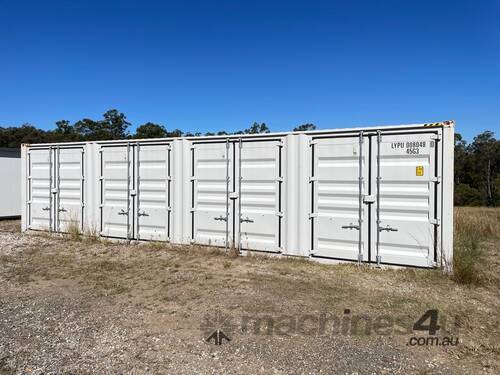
(388, 229)
(143, 213)
(123, 212)
(46, 208)
(350, 226)
(246, 220)
(220, 218)
(62, 209)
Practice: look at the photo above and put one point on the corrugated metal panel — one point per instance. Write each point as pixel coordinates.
(153, 192)
(340, 215)
(69, 188)
(259, 195)
(10, 193)
(40, 195)
(212, 174)
(328, 195)
(116, 187)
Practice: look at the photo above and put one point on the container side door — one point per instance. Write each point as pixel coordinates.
(405, 201)
(70, 188)
(153, 191)
(259, 195)
(212, 171)
(116, 188)
(338, 205)
(40, 189)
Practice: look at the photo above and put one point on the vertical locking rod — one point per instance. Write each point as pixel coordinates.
(57, 167)
(128, 191)
(50, 189)
(240, 178)
(227, 195)
(360, 199)
(137, 187)
(379, 141)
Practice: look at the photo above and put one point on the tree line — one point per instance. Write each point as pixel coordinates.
(477, 165)
(113, 125)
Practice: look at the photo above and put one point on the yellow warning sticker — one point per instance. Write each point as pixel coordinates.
(420, 170)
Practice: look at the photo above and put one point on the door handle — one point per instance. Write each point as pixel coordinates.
(123, 212)
(62, 209)
(220, 218)
(143, 213)
(46, 208)
(246, 220)
(350, 226)
(388, 229)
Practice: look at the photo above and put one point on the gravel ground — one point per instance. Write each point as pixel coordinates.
(87, 306)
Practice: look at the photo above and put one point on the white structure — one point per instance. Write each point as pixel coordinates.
(10, 184)
(381, 195)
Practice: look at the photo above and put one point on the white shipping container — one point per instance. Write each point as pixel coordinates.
(381, 195)
(10, 187)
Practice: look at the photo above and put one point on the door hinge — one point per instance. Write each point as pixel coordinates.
(436, 180)
(435, 137)
(312, 142)
(313, 178)
(369, 199)
(313, 214)
(280, 214)
(279, 179)
(435, 222)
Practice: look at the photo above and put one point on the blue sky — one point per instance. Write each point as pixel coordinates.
(221, 65)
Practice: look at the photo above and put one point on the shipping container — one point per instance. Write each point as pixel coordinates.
(381, 195)
(10, 187)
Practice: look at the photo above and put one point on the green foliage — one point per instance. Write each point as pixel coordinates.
(304, 128)
(150, 130)
(467, 196)
(477, 170)
(256, 128)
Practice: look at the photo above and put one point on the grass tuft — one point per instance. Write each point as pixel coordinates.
(472, 227)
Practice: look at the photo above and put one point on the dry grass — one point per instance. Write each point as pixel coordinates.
(473, 228)
(173, 283)
(73, 229)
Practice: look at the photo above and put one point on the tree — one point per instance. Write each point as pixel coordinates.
(304, 128)
(486, 151)
(116, 124)
(256, 128)
(151, 130)
(26, 133)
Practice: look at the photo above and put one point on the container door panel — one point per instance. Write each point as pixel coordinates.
(40, 207)
(70, 192)
(336, 198)
(406, 199)
(210, 172)
(153, 192)
(115, 205)
(259, 195)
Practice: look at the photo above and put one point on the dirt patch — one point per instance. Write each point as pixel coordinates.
(88, 306)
